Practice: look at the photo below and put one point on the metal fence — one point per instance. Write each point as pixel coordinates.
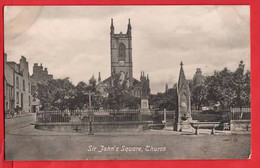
(241, 116)
(222, 115)
(88, 115)
(135, 115)
(240, 113)
(240, 110)
(167, 117)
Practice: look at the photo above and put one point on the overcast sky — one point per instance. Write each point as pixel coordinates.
(74, 42)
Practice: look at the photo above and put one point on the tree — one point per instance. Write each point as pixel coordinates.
(120, 95)
(45, 96)
(92, 84)
(81, 98)
(241, 86)
(167, 100)
(198, 96)
(92, 91)
(56, 94)
(219, 90)
(227, 88)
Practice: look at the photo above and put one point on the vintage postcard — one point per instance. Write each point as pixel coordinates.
(127, 82)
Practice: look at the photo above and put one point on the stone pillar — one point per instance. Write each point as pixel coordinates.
(145, 106)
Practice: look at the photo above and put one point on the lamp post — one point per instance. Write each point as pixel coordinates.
(90, 113)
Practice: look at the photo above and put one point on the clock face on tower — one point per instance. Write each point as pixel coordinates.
(121, 62)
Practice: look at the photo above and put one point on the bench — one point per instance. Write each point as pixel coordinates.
(205, 125)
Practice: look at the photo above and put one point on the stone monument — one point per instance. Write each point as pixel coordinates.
(145, 106)
(183, 112)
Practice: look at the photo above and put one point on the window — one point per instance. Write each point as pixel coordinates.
(17, 97)
(17, 82)
(122, 78)
(137, 93)
(6, 106)
(29, 87)
(29, 100)
(11, 93)
(23, 85)
(122, 49)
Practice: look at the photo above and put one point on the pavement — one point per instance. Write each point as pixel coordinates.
(22, 114)
(23, 142)
(29, 130)
(19, 122)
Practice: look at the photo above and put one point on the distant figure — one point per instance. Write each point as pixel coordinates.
(17, 110)
(12, 112)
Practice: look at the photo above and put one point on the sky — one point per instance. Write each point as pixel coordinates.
(74, 41)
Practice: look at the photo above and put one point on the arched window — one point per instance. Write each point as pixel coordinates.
(122, 77)
(138, 93)
(122, 49)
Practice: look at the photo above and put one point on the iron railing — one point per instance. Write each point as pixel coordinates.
(88, 115)
(135, 115)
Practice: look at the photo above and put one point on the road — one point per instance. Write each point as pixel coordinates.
(23, 142)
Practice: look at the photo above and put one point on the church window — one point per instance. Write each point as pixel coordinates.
(137, 93)
(122, 50)
(121, 78)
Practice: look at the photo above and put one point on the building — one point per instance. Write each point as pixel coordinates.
(198, 78)
(17, 84)
(8, 86)
(122, 65)
(166, 88)
(40, 75)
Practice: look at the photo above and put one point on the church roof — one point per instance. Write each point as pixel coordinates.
(135, 81)
(108, 80)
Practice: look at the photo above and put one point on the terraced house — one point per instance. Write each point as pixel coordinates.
(17, 85)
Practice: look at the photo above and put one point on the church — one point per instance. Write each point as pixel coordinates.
(122, 66)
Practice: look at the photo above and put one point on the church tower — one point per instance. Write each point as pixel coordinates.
(183, 112)
(121, 54)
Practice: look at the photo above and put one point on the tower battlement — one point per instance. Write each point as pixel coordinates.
(121, 54)
(40, 74)
(122, 65)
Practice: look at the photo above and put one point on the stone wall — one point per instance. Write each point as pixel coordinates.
(240, 125)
